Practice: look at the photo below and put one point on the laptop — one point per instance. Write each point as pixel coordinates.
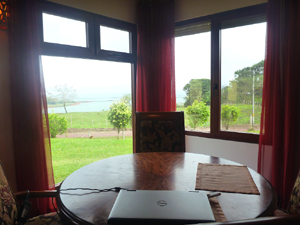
(160, 207)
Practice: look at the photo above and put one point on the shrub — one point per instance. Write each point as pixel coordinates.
(119, 115)
(57, 125)
(198, 113)
(229, 115)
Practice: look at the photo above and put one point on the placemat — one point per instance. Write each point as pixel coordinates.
(226, 178)
(217, 210)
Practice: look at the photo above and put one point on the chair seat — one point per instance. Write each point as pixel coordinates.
(294, 203)
(46, 219)
(281, 212)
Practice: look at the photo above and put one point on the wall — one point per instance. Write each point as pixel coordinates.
(187, 9)
(244, 153)
(118, 9)
(184, 9)
(6, 143)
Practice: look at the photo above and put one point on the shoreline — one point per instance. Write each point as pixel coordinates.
(72, 104)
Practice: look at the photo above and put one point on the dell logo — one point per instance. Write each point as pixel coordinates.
(161, 203)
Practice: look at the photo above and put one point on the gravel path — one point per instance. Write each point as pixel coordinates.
(94, 134)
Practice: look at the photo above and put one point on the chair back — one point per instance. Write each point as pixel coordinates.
(8, 207)
(160, 132)
(294, 204)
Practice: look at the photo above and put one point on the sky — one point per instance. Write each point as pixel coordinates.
(93, 79)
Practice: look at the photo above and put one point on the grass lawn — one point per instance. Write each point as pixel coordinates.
(70, 154)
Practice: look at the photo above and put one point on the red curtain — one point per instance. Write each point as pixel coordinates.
(155, 82)
(279, 144)
(29, 107)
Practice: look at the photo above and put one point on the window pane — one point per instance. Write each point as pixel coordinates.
(114, 40)
(242, 66)
(87, 88)
(193, 79)
(97, 83)
(65, 31)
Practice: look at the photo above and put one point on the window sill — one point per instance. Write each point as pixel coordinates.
(227, 135)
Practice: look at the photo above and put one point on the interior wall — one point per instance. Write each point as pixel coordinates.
(184, 9)
(119, 9)
(187, 9)
(6, 146)
(244, 153)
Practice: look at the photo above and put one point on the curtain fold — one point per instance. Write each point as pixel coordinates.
(29, 106)
(155, 82)
(279, 143)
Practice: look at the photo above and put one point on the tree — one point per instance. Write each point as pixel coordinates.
(229, 115)
(242, 84)
(198, 114)
(224, 94)
(127, 98)
(57, 125)
(197, 89)
(65, 94)
(119, 115)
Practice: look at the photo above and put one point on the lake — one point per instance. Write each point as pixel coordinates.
(95, 106)
(83, 107)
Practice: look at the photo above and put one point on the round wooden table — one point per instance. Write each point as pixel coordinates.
(152, 171)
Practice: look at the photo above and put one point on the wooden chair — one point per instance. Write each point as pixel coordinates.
(9, 209)
(160, 132)
(294, 203)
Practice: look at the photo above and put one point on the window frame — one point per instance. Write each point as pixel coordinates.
(93, 21)
(216, 21)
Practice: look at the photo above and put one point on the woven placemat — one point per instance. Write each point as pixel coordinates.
(226, 178)
(217, 210)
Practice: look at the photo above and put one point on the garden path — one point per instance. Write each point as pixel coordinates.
(94, 134)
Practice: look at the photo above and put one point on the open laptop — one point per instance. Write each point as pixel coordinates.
(160, 207)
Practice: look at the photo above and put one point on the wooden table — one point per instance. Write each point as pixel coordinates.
(153, 171)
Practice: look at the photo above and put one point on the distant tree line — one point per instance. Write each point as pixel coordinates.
(197, 89)
(239, 90)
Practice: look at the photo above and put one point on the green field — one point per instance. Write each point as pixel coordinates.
(99, 119)
(70, 154)
(88, 120)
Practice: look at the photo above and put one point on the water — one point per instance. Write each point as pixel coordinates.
(83, 107)
(95, 106)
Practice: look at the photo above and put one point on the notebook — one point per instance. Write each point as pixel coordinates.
(160, 207)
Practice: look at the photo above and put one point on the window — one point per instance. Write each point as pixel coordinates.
(193, 75)
(54, 31)
(242, 65)
(75, 33)
(88, 65)
(219, 63)
(114, 39)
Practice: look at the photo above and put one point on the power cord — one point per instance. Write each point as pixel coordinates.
(90, 190)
